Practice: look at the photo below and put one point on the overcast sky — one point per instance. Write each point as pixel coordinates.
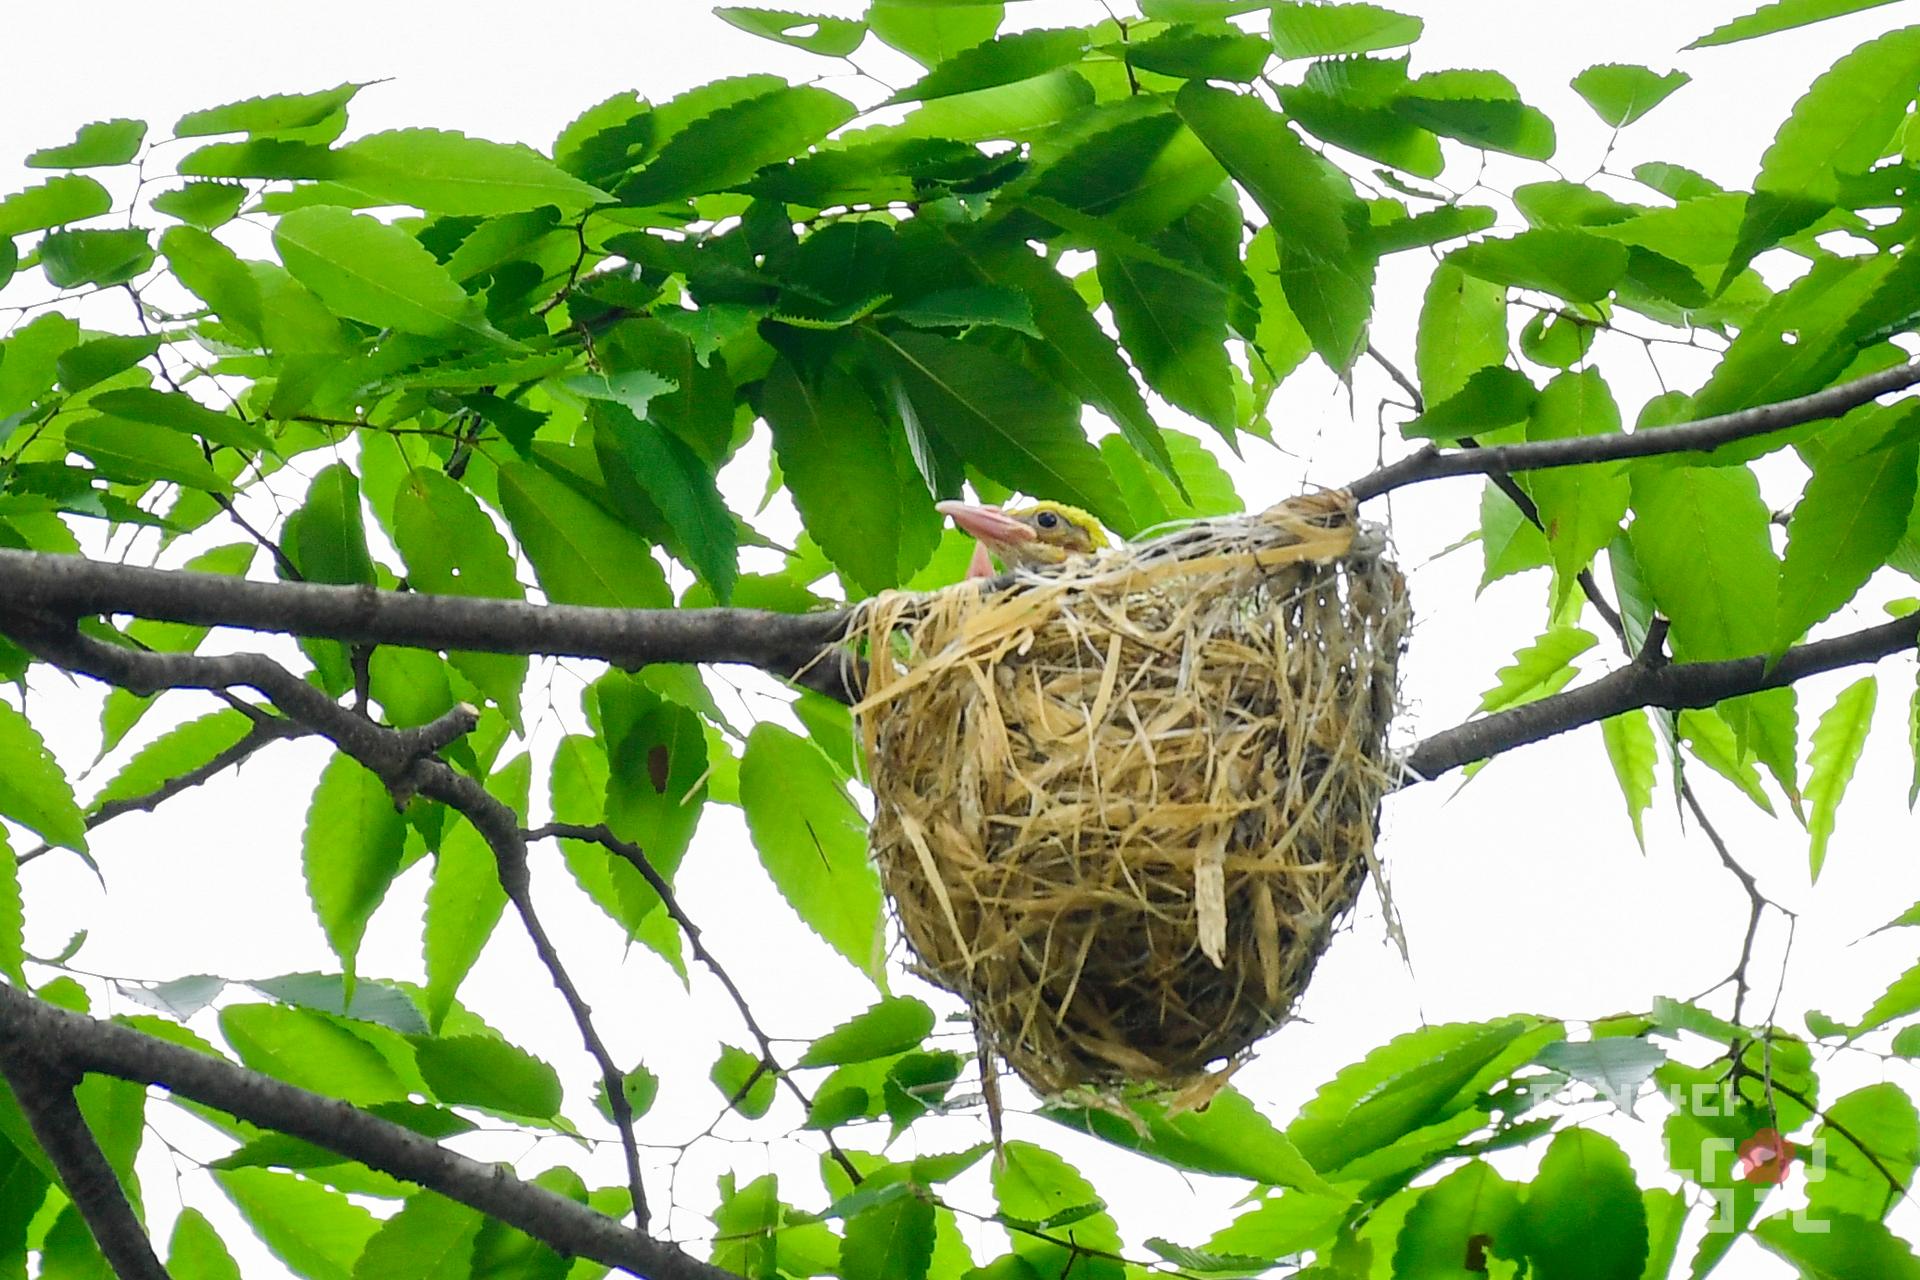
(1524, 891)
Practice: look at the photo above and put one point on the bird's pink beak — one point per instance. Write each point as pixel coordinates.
(989, 524)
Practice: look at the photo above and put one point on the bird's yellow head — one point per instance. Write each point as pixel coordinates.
(1036, 536)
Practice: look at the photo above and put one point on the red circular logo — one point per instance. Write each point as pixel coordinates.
(1765, 1157)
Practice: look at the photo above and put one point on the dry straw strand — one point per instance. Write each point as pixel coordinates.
(1120, 806)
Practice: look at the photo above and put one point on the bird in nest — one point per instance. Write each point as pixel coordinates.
(1038, 536)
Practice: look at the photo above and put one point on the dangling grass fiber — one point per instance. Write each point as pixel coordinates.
(1121, 805)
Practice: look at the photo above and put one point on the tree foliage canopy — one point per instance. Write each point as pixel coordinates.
(436, 407)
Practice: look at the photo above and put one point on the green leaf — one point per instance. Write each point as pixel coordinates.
(1209, 489)
(369, 271)
(431, 1238)
(1581, 507)
(1463, 329)
(351, 852)
(74, 258)
(13, 919)
(104, 142)
(212, 272)
(1574, 265)
(894, 1025)
(1473, 1212)
(742, 1081)
(1880, 1118)
(55, 202)
(1480, 108)
(1000, 61)
(310, 1050)
(1781, 15)
(1014, 427)
(893, 1239)
(181, 413)
(1025, 109)
(34, 791)
(726, 148)
(970, 305)
(656, 755)
(195, 1251)
(1700, 537)
(135, 453)
(1621, 93)
(1317, 30)
(275, 113)
(1583, 1214)
(1175, 328)
(833, 445)
(327, 537)
(640, 1086)
(97, 359)
(680, 486)
(316, 1232)
(201, 204)
(830, 37)
(1509, 542)
(1435, 226)
(445, 172)
(1850, 1249)
(1493, 396)
(580, 554)
(1196, 54)
(1541, 668)
(1631, 751)
(1325, 268)
(173, 755)
(1837, 742)
(465, 898)
(481, 1071)
(1034, 1186)
(1231, 1137)
(1853, 514)
(931, 34)
(812, 842)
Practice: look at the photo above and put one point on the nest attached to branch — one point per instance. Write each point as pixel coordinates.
(1120, 806)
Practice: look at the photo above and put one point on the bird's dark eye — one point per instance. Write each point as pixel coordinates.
(1047, 520)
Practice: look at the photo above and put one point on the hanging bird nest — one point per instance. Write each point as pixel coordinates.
(1121, 805)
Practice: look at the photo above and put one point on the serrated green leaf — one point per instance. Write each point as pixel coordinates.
(1635, 759)
(1194, 53)
(1463, 329)
(1851, 517)
(173, 755)
(1837, 740)
(1781, 15)
(1231, 1137)
(1013, 426)
(931, 34)
(181, 413)
(135, 453)
(1880, 1118)
(369, 271)
(1574, 265)
(1174, 327)
(968, 306)
(1851, 1248)
(1002, 60)
(481, 1071)
(1318, 30)
(1621, 93)
(441, 171)
(34, 791)
(580, 554)
(327, 537)
(1325, 269)
(350, 853)
(13, 918)
(195, 1251)
(813, 843)
(431, 1238)
(1583, 1214)
(1472, 1212)
(894, 1025)
(739, 1077)
(465, 898)
(830, 37)
(316, 1232)
(212, 272)
(55, 202)
(1480, 108)
(74, 258)
(1034, 1186)
(680, 486)
(1580, 507)
(104, 142)
(268, 115)
(1540, 668)
(201, 204)
(310, 1050)
(726, 147)
(894, 1239)
(1493, 396)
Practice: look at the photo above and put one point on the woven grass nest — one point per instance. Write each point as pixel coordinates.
(1120, 806)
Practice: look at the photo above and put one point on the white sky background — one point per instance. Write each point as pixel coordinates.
(1522, 892)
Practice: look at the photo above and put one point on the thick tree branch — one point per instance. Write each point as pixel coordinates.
(43, 1085)
(1434, 463)
(796, 645)
(79, 1043)
(1675, 686)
